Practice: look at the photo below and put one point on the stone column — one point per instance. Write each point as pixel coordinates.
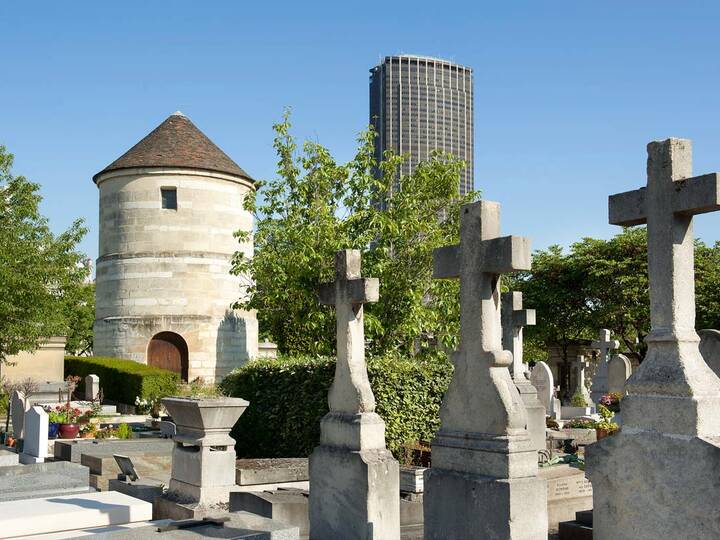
(600, 378)
(203, 458)
(483, 481)
(656, 478)
(354, 480)
(514, 319)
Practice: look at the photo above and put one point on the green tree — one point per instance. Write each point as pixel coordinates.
(316, 206)
(707, 285)
(79, 311)
(37, 268)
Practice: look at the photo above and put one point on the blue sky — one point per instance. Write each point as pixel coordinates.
(567, 93)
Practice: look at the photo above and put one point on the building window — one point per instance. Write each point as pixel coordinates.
(169, 198)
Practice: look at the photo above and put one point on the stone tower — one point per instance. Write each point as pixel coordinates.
(168, 209)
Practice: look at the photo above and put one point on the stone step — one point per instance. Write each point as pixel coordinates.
(54, 514)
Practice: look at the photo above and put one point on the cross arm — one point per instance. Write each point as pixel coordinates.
(697, 195)
(506, 254)
(524, 317)
(359, 291)
(615, 344)
(446, 262)
(627, 208)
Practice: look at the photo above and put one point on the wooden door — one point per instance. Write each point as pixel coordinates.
(168, 351)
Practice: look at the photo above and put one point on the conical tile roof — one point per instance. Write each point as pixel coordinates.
(177, 142)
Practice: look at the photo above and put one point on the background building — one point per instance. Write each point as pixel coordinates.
(420, 104)
(168, 211)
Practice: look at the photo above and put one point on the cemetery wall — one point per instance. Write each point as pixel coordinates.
(288, 398)
(43, 365)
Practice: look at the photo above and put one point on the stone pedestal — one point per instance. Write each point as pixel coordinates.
(203, 458)
(355, 481)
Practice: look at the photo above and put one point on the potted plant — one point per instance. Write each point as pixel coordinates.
(54, 421)
(88, 431)
(68, 416)
(605, 427)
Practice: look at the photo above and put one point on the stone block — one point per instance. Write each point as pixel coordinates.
(73, 450)
(360, 499)
(42, 480)
(497, 509)
(634, 496)
(270, 471)
(62, 513)
(285, 506)
(8, 458)
(411, 479)
(568, 492)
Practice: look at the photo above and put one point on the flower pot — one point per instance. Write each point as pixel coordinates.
(53, 430)
(69, 431)
(602, 433)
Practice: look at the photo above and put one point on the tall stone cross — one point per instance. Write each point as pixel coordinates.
(580, 366)
(484, 461)
(673, 365)
(350, 391)
(514, 319)
(600, 385)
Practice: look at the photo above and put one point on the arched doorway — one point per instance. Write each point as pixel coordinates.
(168, 350)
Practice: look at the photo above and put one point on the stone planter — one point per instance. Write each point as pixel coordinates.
(53, 430)
(69, 431)
(205, 419)
(411, 479)
(602, 433)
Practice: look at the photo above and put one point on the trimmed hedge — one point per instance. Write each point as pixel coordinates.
(288, 398)
(123, 380)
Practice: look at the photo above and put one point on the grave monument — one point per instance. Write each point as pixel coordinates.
(354, 480)
(581, 364)
(483, 482)
(35, 442)
(514, 319)
(655, 478)
(541, 378)
(619, 371)
(599, 385)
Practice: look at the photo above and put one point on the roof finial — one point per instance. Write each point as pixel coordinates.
(177, 113)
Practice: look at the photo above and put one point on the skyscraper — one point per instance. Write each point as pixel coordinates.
(419, 104)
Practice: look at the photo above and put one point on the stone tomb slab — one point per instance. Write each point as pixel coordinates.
(39, 480)
(67, 512)
(8, 458)
(104, 468)
(270, 471)
(72, 450)
(568, 492)
(241, 526)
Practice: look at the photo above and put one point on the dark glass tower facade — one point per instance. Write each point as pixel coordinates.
(419, 104)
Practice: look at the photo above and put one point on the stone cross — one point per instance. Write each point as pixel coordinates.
(478, 261)
(350, 391)
(484, 460)
(514, 319)
(673, 365)
(600, 385)
(580, 366)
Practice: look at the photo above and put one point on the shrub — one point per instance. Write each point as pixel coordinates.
(124, 380)
(288, 398)
(578, 400)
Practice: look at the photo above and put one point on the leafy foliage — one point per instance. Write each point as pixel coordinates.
(315, 207)
(39, 271)
(288, 398)
(124, 380)
(79, 309)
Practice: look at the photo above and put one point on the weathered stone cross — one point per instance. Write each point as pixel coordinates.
(673, 365)
(600, 377)
(514, 319)
(478, 261)
(350, 391)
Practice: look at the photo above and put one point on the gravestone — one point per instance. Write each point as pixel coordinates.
(710, 349)
(654, 479)
(354, 480)
(35, 443)
(92, 387)
(484, 481)
(542, 379)
(18, 406)
(600, 378)
(580, 387)
(38, 480)
(203, 458)
(619, 371)
(514, 319)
